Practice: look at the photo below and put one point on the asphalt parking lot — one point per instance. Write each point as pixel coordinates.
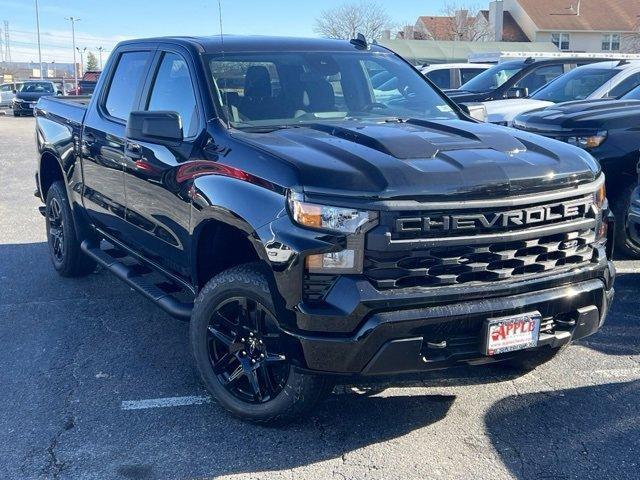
(97, 383)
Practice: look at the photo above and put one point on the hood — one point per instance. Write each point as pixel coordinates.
(32, 96)
(424, 159)
(466, 96)
(583, 115)
(501, 111)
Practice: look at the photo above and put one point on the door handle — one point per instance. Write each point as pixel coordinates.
(132, 150)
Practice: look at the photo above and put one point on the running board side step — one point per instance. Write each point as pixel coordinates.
(169, 304)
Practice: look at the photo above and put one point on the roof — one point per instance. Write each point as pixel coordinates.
(419, 52)
(445, 28)
(597, 15)
(256, 43)
(511, 31)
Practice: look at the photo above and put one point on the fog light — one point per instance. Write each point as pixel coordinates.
(343, 261)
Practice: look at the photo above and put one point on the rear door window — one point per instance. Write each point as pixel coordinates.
(442, 78)
(127, 77)
(625, 86)
(467, 74)
(539, 77)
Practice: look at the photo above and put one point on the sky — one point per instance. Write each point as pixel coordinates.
(104, 23)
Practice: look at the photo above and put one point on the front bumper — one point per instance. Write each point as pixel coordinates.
(24, 107)
(441, 336)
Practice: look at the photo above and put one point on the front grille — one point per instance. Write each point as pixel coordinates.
(401, 255)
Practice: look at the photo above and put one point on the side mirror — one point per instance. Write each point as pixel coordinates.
(475, 110)
(518, 92)
(163, 128)
(14, 91)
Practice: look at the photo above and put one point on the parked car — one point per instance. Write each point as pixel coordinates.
(29, 94)
(608, 130)
(452, 75)
(7, 93)
(316, 233)
(86, 84)
(597, 80)
(632, 220)
(514, 78)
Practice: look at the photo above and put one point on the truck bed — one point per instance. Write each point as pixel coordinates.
(71, 108)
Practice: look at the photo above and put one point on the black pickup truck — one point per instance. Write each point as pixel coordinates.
(314, 230)
(608, 130)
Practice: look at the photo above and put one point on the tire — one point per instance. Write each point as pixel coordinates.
(620, 207)
(233, 314)
(64, 244)
(528, 361)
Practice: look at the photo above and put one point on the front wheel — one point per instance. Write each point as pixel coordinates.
(240, 352)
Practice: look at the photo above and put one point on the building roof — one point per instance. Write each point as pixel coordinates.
(511, 31)
(598, 15)
(444, 28)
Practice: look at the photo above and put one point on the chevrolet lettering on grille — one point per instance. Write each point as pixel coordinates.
(513, 218)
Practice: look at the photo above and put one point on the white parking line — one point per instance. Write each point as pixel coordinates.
(164, 402)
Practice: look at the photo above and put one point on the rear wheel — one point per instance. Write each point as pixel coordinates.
(64, 245)
(240, 351)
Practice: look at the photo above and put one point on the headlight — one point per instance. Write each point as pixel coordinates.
(337, 219)
(600, 200)
(588, 142)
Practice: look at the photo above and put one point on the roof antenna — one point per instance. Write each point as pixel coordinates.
(360, 42)
(225, 93)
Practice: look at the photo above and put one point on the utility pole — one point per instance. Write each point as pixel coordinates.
(7, 43)
(100, 50)
(38, 30)
(73, 21)
(81, 52)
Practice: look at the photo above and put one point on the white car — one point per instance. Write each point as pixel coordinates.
(595, 80)
(452, 75)
(6, 93)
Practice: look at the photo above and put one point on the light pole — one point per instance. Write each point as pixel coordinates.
(38, 29)
(100, 50)
(73, 21)
(81, 52)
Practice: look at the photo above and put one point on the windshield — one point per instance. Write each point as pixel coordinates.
(37, 87)
(492, 78)
(633, 94)
(578, 84)
(290, 88)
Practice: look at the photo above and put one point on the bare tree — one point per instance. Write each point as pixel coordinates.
(630, 42)
(349, 19)
(466, 23)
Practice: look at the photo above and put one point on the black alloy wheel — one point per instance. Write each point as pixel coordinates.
(55, 224)
(245, 350)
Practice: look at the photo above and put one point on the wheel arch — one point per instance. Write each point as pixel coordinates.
(49, 171)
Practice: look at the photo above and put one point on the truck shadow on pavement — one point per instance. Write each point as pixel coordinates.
(620, 335)
(587, 432)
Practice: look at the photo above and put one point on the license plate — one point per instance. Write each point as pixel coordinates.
(512, 333)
